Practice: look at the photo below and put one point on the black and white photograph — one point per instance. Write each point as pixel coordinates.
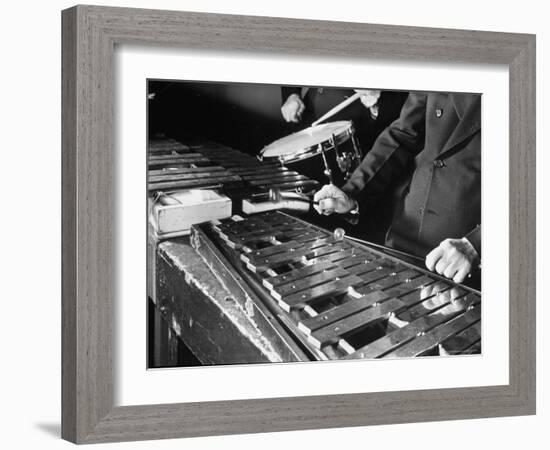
(271, 224)
(307, 223)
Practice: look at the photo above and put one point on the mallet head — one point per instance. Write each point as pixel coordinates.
(339, 234)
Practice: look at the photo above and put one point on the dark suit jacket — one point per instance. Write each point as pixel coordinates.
(437, 138)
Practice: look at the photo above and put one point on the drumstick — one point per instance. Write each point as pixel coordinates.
(337, 108)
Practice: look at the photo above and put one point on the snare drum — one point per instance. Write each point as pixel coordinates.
(333, 143)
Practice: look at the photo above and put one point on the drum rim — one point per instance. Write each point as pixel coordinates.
(313, 150)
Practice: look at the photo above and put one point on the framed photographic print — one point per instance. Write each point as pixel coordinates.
(307, 232)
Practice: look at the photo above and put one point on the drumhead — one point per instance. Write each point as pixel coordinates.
(304, 140)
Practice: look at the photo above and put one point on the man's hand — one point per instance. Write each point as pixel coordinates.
(293, 108)
(331, 199)
(369, 97)
(453, 258)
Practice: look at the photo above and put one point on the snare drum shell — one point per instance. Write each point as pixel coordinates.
(308, 142)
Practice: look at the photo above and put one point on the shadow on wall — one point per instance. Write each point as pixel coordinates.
(52, 429)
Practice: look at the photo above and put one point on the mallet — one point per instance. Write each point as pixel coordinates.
(339, 234)
(275, 195)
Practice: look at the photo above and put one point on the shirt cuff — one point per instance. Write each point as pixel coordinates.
(474, 238)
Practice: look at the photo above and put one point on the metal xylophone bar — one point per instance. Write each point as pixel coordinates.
(335, 290)
(166, 146)
(171, 160)
(277, 256)
(185, 168)
(244, 165)
(427, 325)
(173, 165)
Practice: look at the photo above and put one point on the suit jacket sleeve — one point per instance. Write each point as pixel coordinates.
(474, 237)
(287, 91)
(393, 151)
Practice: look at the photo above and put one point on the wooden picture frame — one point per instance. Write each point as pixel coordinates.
(90, 34)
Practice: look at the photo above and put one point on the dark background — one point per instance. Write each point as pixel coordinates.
(246, 117)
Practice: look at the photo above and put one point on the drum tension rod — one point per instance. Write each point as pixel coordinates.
(328, 172)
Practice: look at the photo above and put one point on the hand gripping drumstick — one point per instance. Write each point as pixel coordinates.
(339, 107)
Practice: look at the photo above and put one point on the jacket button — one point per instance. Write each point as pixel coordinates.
(439, 164)
(438, 112)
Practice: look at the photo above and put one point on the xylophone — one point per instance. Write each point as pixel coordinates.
(340, 299)
(200, 163)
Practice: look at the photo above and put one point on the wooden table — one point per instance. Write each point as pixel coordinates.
(215, 324)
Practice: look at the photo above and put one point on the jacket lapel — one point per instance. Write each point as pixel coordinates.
(468, 109)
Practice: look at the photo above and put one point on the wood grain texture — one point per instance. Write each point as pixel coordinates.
(89, 201)
(68, 226)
